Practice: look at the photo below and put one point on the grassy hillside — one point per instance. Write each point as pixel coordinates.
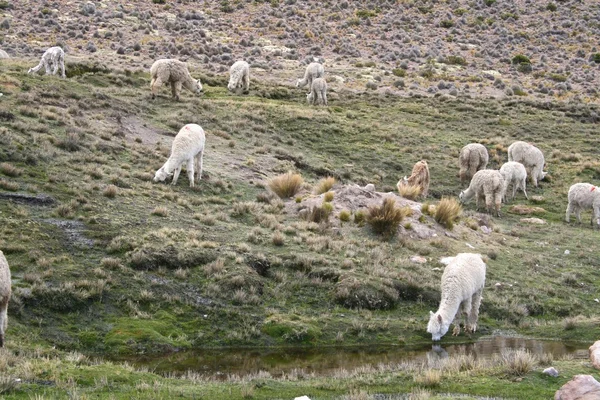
(110, 262)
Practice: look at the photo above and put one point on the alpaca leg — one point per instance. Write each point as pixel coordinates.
(190, 171)
(199, 157)
(465, 308)
(246, 82)
(56, 65)
(498, 203)
(175, 90)
(474, 312)
(569, 212)
(324, 98)
(3, 320)
(578, 214)
(176, 175)
(62, 68)
(488, 202)
(523, 189)
(154, 85)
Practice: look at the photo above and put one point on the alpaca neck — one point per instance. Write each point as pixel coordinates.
(448, 309)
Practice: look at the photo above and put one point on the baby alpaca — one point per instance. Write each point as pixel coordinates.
(4, 296)
(462, 284)
(488, 184)
(174, 72)
(318, 92)
(515, 173)
(313, 71)
(239, 76)
(419, 177)
(188, 147)
(583, 196)
(531, 157)
(53, 58)
(473, 157)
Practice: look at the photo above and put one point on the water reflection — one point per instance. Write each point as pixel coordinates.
(324, 361)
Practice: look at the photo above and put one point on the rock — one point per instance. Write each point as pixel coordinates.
(498, 286)
(524, 210)
(567, 252)
(3, 54)
(418, 259)
(533, 221)
(581, 387)
(595, 354)
(537, 199)
(485, 229)
(370, 187)
(551, 371)
(302, 398)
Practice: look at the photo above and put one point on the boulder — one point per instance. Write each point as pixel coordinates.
(551, 371)
(595, 354)
(581, 387)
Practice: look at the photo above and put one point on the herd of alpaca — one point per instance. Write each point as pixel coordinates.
(463, 278)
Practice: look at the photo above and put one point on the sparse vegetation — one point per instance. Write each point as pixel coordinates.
(385, 219)
(447, 211)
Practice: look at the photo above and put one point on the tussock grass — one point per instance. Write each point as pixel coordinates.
(517, 362)
(160, 211)
(429, 378)
(448, 211)
(324, 185)
(9, 185)
(344, 215)
(410, 192)
(385, 219)
(110, 191)
(10, 170)
(328, 197)
(286, 185)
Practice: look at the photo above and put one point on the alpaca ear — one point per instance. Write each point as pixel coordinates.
(439, 318)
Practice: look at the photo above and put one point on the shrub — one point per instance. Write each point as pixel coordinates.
(596, 58)
(324, 185)
(455, 60)
(359, 217)
(521, 59)
(319, 214)
(517, 362)
(344, 216)
(447, 23)
(159, 1)
(489, 2)
(551, 7)
(410, 192)
(447, 211)
(386, 218)
(399, 72)
(328, 197)
(286, 185)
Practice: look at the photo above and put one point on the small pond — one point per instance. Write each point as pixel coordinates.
(325, 360)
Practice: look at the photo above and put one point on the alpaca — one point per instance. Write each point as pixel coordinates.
(52, 59)
(531, 157)
(514, 173)
(5, 291)
(473, 157)
(583, 196)
(418, 177)
(462, 285)
(174, 72)
(188, 147)
(239, 76)
(488, 184)
(313, 71)
(318, 92)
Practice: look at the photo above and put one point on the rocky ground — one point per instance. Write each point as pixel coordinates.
(408, 47)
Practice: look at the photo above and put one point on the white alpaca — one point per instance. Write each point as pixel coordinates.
(53, 58)
(473, 157)
(239, 76)
(488, 184)
(531, 157)
(188, 147)
(313, 71)
(462, 284)
(584, 196)
(515, 173)
(318, 92)
(174, 72)
(5, 290)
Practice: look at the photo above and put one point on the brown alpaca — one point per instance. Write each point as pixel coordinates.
(419, 177)
(473, 157)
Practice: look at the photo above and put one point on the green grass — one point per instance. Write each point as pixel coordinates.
(127, 293)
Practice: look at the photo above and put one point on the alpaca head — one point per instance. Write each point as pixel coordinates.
(231, 87)
(161, 175)
(543, 175)
(461, 196)
(198, 88)
(309, 98)
(437, 326)
(298, 82)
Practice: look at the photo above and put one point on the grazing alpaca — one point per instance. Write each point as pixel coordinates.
(239, 76)
(4, 295)
(488, 184)
(313, 71)
(584, 196)
(462, 284)
(174, 72)
(473, 157)
(419, 177)
(318, 92)
(531, 157)
(52, 59)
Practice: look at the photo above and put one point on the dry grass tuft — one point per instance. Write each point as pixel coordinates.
(429, 378)
(8, 185)
(286, 185)
(344, 215)
(10, 170)
(318, 214)
(517, 362)
(386, 218)
(447, 212)
(110, 191)
(278, 239)
(160, 211)
(410, 192)
(328, 197)
(324, 185)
